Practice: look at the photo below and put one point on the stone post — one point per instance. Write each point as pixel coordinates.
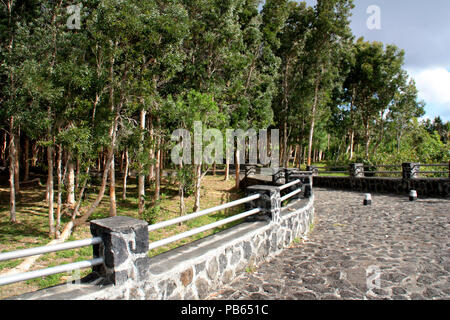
(356, 170)
(250, 170)
(410, 170)
(125, 241)
(291, 175)
(277, 175)
(313, 169)
(269, 202)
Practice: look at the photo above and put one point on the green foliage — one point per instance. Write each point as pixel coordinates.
(152, 213)
(186, 178)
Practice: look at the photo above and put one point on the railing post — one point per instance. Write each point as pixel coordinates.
(410, 170)
(356, 170)
(277, 175)
(313, 169)
(269, 203)
(250, 170)
(292, 175)
(125, 240)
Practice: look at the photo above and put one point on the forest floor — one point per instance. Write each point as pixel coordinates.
(31, 230)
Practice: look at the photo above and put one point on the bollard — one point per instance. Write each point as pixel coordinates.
(413, 195)
(367, 199)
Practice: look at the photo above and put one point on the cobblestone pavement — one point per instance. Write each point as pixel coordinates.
(393, 249)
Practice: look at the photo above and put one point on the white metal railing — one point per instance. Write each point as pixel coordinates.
(47, 249)
(195, 231)
(191, 216)
(290, 184)
(53, 270)
(290, 195)
(49, 271)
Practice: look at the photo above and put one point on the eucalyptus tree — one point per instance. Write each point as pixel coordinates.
(253, 76)
(15, 17)
(330, 30)
(201, 121)
(215, 52)
(291, 98)
(375, 78)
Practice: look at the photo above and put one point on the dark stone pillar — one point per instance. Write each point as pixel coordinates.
(125, 240)
(250, 170)
(410, 170)
(306, 183)
(313, 169)
(269, 202)
(356, 170)
(277, 175)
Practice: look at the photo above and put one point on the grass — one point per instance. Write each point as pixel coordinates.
(31, 230)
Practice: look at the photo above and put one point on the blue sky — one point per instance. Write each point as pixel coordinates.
(422, 29)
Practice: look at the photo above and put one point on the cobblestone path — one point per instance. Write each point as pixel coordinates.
(393, 249)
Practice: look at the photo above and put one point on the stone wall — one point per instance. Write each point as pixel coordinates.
(192, 271)
(433, 187)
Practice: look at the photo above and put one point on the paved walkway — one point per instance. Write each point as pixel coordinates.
(401, 248)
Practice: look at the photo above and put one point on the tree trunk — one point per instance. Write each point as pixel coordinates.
(70, 182)
(237, 168)
(17, 165)
(51, 217)
(34, 154)
(3, 153)
(151, 174)
(141, 179)
(227, 169)
(158, 171)
(286, 148)
(112, 188)
(59, 197)
(198, 180)
(12, 162)
(125, 175)
(26, 153)
(367, 138)
(352, 139)
(313, 119)
(181, 193)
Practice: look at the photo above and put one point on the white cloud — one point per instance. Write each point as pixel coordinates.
(433, 85)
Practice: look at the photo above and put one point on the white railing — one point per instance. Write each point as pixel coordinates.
(195, 231)
(53, 270)
(291, 194)
(290, 184)
(191, 216)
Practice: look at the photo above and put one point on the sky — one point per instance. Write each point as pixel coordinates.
(422, 29)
